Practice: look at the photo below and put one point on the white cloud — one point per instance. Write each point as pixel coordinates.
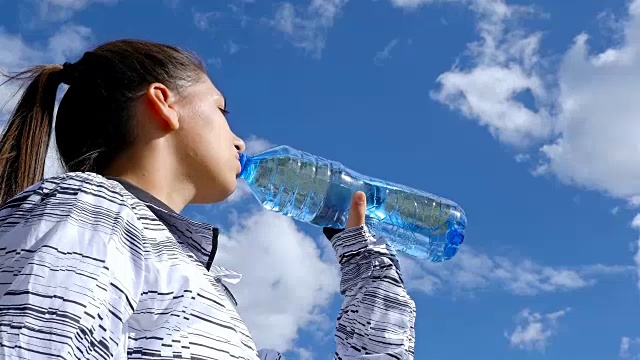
(218, 19)
(242, 192)
(636, 260)
(471, 271)
(67, 42)
(203, 20)
(256, 145)
(17, 54)
(231, 47)
(598, 145)
(629, 348)
(285, 285)
(385, 54)
(307, 27)
(505, 65)
(215, 61)
(60, 10)
(303, 354)
(238, 8)
(583, 115)
(53, 164)
(635, 223)
(14, 54)
(533, 330)
(412, 4)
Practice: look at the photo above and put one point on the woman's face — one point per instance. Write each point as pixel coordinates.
(209, 149)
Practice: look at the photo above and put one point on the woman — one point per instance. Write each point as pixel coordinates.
(97, 263)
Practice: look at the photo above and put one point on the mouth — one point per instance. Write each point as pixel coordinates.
(239, 168)
(242, 161)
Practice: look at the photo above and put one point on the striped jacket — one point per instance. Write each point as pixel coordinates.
(91, 268)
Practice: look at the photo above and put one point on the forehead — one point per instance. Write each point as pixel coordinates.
(210, 89)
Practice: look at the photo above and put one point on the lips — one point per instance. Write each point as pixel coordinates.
(242, 160)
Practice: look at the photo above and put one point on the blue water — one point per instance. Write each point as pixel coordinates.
(318, 191)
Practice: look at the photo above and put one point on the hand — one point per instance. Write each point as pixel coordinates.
(358, 210)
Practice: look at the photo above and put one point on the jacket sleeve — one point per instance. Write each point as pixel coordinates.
(377, 316)
(269, 354)
(68, 283)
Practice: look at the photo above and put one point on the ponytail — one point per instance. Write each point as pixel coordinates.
(111, 78)
(25, 140)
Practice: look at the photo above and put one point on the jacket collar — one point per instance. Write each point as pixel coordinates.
(200, 238)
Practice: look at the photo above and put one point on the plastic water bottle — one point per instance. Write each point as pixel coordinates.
(317, 191)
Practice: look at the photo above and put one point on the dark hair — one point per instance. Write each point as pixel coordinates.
(94, 122)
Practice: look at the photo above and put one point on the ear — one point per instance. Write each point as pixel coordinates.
(162, 102)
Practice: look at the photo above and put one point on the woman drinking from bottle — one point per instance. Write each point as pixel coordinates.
(98, 263)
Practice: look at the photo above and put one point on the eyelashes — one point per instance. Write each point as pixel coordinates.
(224, 112)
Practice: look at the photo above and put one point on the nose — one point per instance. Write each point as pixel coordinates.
(239, 144)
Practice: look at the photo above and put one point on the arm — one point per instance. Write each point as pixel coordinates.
(67, 285)
(377, 316)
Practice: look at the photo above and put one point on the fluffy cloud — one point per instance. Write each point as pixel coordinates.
(504, 65)
(60, 10)
(304, 354)
(471, 271)
(533, 330)
(228, 14)
(636, 259)
(584, 116)
(307, 27)
(256, 145)
(17, 54)
(286, 284)
(598, 146)
(581, 117)
(629, 348)
(412, 4)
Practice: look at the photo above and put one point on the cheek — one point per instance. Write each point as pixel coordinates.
(214, 146)
(218, 133)
(209, 136)
(203, 130)
(198, 148)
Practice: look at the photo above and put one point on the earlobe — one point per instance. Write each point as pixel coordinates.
(162, 101)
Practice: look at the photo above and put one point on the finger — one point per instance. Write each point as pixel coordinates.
(358, 210)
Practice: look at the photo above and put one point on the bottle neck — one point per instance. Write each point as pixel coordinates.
(244, 162)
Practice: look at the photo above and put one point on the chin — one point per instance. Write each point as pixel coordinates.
(215, 194)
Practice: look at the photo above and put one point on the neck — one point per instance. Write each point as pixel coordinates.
(156, 173)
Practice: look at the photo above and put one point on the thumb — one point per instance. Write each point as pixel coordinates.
(358, 210)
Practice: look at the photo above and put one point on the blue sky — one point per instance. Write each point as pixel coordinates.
(522, 112)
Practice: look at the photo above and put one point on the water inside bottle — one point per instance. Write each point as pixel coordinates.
(313, 190)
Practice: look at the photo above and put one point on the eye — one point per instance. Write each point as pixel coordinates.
(224, 111)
